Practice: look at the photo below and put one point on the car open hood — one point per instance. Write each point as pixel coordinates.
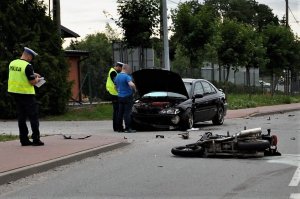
(151, 80)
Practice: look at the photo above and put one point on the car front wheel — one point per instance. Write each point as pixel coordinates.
(219, 117)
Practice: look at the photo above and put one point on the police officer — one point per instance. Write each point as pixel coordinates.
(111, 88)
(21, 83)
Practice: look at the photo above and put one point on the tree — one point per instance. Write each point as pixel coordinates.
(193, 26)
(264, 16)
(231, 46)
(245, 11)
(254, 53)
(36, 30)
(138, 19)
(97, 65)
(112, 34)
(279, 42)
(295, 64)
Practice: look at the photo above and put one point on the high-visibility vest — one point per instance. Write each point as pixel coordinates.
(17, 80)
(110, 86)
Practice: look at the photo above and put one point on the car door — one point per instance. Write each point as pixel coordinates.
(210, 100)
(199, 106)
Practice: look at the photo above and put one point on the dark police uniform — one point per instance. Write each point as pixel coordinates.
(20, 73)
(110, 87)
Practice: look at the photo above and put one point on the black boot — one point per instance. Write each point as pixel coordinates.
(37, 143)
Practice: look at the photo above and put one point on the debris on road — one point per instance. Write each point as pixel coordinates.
(78, 138)
(185, 135)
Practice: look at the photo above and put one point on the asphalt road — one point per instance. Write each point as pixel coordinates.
(147, 169)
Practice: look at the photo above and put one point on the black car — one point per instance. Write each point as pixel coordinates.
(168, 101)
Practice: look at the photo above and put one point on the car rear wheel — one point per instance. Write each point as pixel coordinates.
(219, 117)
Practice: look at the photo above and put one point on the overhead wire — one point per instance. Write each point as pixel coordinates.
(297, 22)
(174, 2)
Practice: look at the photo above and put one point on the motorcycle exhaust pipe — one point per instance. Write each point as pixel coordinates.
(249, 132)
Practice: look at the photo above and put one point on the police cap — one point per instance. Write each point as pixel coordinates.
(30, 51)
(119, 64)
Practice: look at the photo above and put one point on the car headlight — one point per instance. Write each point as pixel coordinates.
(170, 111)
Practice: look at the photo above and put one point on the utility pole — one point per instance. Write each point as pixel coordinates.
(49, 5)
(287, 75)
(287, 13)
(56, 14)
(165, 35)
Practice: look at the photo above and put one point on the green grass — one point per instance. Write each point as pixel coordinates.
(235, 101)
(84, 113)
(4, 137)
(239, 101)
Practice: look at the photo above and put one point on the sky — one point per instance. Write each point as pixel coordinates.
(87, 16)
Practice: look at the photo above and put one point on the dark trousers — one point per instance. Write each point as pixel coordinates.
(125, 108)
(27, 108)
(115, 103)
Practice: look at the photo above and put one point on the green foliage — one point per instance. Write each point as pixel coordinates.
(238, 101)
(5, 137)
(279, 42)
(26, 24)
(227, 32)
(245, 11)
(194, 25)
(264, 17)
(180, 60)
(111, 33)
(99, 63)
(138, 19)
(85, 113)
(231, 46)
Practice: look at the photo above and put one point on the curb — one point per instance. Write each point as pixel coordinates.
(23, 172)
(257, 114)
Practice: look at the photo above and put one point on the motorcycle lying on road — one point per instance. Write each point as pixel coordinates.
(246, 143)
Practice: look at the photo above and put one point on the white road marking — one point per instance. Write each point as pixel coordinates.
(295, 196)
(296, 178)
(289, 159)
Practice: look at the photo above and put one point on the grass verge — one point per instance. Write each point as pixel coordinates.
(4, 137)
(84, 113)
(239, 101)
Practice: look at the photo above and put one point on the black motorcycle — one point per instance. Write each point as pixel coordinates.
(247, 143)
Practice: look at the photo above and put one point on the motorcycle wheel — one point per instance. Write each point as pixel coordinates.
(188, 151)
(258, 145)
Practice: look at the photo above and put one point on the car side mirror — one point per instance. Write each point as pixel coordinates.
(197, 96)
(221, 90)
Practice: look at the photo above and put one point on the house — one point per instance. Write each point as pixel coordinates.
(74, 57)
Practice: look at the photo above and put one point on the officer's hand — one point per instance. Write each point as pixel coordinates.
(37, 75)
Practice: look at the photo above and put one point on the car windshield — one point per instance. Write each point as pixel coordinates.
(163, 94)
(188, 87)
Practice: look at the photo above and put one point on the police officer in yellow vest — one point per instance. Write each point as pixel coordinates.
(21, 83)
(111, 88)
